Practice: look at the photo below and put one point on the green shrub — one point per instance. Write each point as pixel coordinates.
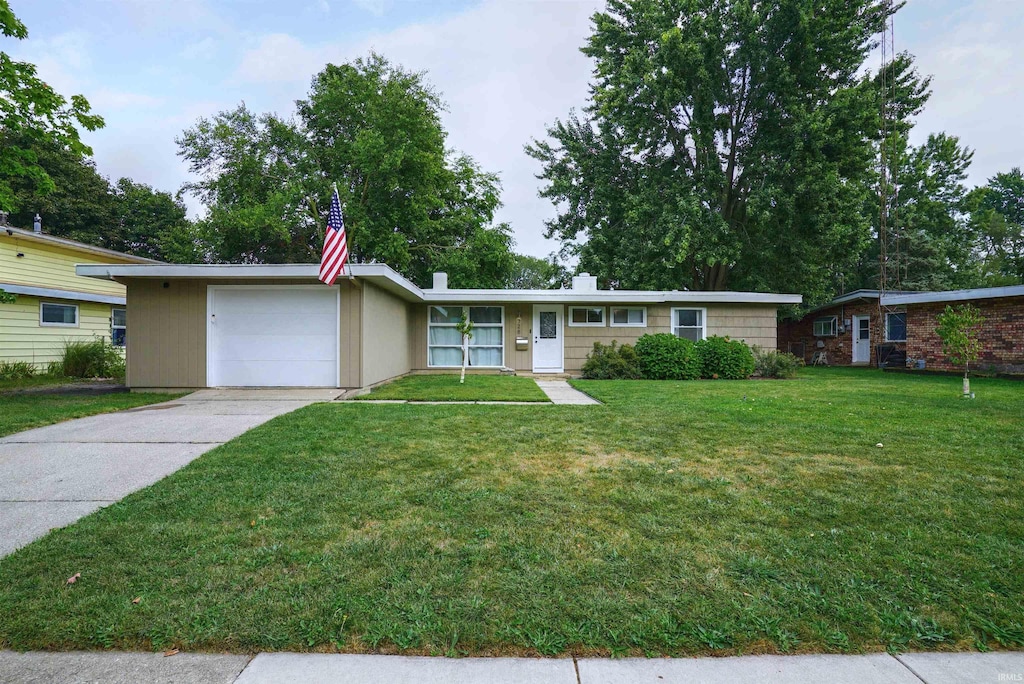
(726, 359)
(16, 370)
(94, 358)
(611, 362)
(667, 357)
(770, 363)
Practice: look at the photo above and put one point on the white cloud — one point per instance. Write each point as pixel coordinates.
(974, 56)
(374, 7)
(506, 70)
(200, 50)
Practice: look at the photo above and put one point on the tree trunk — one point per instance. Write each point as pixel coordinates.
(465, 357)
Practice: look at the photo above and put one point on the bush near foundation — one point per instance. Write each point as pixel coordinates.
(666, 357)
(612, 362)
(722, 358)
(95, 358)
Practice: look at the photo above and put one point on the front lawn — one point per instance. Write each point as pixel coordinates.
(448, 388)
(22, 411)
(678, 518)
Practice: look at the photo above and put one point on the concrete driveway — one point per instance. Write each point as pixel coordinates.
(52, 476)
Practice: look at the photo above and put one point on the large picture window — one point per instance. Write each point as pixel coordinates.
(444, 343)
(895, 327)
(690, 324)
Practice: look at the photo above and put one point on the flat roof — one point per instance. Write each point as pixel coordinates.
(389, 279)
(31, 236)
(953, 295)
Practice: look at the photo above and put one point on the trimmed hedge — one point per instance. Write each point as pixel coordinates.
(611, 362)
(722, 358)
(664, 356)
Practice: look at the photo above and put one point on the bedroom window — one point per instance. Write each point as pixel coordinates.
(486, 346)
(586, 315)
(896, 327)
(629, 316)
(826, 326)
(118, 327)
(58, 315)
(690, 324)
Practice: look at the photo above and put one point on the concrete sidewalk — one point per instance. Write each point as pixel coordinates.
(561, 392)
(52, 476)
(879, 668)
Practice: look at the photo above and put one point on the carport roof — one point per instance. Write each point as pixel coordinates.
(389, 279)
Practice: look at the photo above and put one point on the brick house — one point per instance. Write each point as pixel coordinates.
(855, 329)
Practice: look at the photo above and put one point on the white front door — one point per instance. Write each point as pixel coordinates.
(272, 336)
(861, 339)
(547, 339)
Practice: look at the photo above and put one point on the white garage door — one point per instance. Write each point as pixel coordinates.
(273, 336)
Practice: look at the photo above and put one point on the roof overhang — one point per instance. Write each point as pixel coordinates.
(50, 293)
(388, 279)
(45, 238)
(953, 295)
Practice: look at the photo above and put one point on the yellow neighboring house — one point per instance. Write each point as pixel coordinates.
(53, 304)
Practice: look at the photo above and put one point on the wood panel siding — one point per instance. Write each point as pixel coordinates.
(579, 341)
(754, 324)
(350, 335)
(23, 339)
(167, 330)
(386, 326)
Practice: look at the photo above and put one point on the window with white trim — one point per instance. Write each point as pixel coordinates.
(690, 324)
(58, 315)
(118, 327)
(826, 326)
(896, 327)
(586, 315)
(629, 316)
(444, 343)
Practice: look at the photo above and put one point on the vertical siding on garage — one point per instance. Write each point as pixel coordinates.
(386, 334)
(166, 334)
(350, 335)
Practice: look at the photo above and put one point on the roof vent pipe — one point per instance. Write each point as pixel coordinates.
(440, 281)
(37, 224)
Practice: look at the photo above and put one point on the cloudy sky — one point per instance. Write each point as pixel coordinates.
(506, 68)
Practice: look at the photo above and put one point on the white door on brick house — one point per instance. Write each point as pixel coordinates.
(547, 339)
(861, 339)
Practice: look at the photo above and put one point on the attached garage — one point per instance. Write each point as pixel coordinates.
(272, 336)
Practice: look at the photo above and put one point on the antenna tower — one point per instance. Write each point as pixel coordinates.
(889, 256)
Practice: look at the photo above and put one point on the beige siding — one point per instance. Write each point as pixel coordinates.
(23, 339)
(167, 330)
(386, 329)
(350, 335)
(755, 324)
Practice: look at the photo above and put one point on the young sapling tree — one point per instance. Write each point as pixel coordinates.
(958, 328)
(465, 328)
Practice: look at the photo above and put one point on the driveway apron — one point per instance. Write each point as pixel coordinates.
(52, 476)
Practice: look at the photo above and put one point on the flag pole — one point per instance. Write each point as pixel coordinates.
(348, 264)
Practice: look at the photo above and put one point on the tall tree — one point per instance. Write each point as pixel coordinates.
(375, 130)
(532, 273)
(728, 143)
(33, 112)
(145, 219)
(997, 216)
(927, 210)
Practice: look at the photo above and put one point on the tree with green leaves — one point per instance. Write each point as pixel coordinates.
(997, 218)
(532, 273)
(724, 136)
(958, 328)
(465, 328)
(145, 220)
(30, 110)
(375, 130)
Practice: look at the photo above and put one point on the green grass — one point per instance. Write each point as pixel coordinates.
(678, 518)
(7, 385)
(447, 388)
(25, 411)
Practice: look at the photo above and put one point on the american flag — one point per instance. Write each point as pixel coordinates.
(335, 253)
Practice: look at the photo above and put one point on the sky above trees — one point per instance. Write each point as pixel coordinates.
(506, 68)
